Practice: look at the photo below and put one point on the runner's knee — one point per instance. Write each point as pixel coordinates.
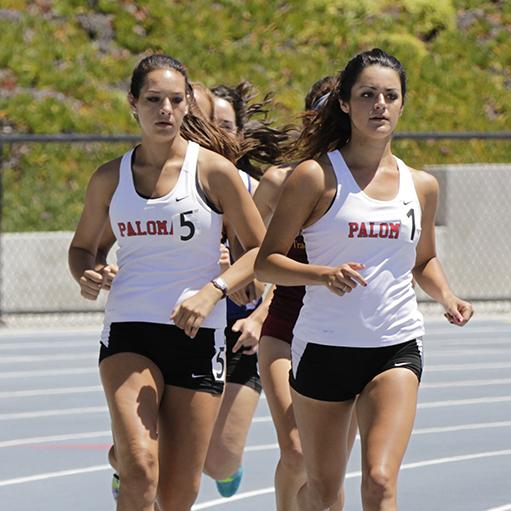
(291, 458)
(324, 491)
(178, 497)
(138, 473)
(378, 484)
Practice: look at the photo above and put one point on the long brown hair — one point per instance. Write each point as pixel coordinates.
(328, 127)
(260, 141)
(195, 127)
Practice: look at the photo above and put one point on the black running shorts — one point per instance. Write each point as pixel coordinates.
(197, 364)
(241, 369)
(336, 373)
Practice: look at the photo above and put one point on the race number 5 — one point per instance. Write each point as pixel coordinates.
(219, 364)
(186, 224)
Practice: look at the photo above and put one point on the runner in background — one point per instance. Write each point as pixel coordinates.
(236, 111)
(204, 100)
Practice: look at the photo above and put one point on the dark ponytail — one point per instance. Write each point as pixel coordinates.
(260, 142)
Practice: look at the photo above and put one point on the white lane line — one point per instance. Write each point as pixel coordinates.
(464, 367)
(490, 329)
(45, 345)
(464, 402)
(204, 505)
(463, 342)
(465, 383)
(239, 496)
(436, 404)
(433, 350)
(420, 431)
(50, 333)
(249, 448)
(454, 459)
(261, 447)
(351, 475)
(87, 370)
(53, 413)
(51, 475)
(98, 388)
(54, 438)
(50, 392)
(266, 418)
(260, 419)
(16, 394)
(507, 507)
(436, 353)
(48, 358)
(48, 372)
(462, 427)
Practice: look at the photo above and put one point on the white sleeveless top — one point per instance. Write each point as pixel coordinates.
(383, 236)
(247, 180)
(169, 248)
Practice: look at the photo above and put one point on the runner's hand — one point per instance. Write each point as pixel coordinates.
(109, 272)
(191, 313)
(457, 311)
(241, 296)
(90, 284)
(250, 330)
(225, 258)
(344, 278)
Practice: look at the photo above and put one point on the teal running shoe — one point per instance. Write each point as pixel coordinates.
(116, 483)
(228, 487)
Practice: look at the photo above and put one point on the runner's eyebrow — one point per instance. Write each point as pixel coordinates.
(372, 87)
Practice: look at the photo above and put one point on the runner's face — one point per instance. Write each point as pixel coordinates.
(203, 103)
(162, 104)
(376, 102)
(225, 117)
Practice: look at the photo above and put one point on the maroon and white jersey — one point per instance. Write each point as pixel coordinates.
(383, 236)
(168, 247)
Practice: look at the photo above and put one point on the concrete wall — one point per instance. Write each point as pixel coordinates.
(35, 275)
(475, 214)
(473, 237)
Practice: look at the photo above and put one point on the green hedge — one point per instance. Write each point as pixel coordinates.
(60, 75)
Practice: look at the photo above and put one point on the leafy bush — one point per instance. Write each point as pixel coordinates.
(65, 67)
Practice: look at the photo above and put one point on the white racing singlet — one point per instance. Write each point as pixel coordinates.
(383, 236)
(246, 180)
(169, 248)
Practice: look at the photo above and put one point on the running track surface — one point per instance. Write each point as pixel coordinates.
(54, 427)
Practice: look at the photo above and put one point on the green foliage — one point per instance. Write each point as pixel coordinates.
(65, 67)
(37, 196)
(18, 5)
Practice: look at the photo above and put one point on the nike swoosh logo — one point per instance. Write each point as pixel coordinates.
(401, 364)
(181, 198)
(407, 202)
(199, 375)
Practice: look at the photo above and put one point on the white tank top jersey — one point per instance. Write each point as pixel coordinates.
(383, 236)
(246, 180)
(169, 248)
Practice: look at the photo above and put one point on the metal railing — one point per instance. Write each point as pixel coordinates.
(18, 295)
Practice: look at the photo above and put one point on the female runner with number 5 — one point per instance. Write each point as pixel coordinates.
(162, 357)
